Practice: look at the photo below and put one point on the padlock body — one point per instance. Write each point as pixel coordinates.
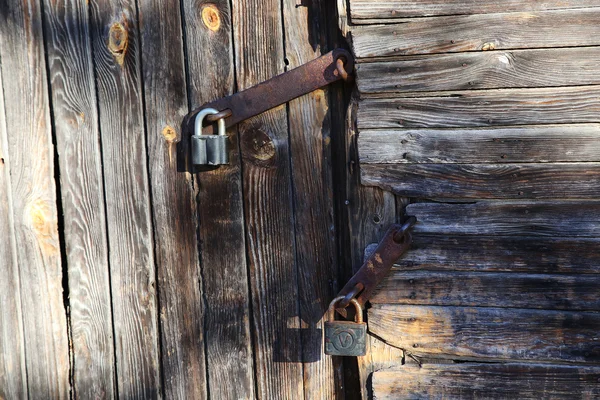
(216, 149)
(345, 338)
(199, 156)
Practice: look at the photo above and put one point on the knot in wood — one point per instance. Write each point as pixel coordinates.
(258, 147)
(170, 134)
(118, 42)
(211, 18)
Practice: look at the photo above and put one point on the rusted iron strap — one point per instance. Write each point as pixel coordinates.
(395, 242)
(277, 90)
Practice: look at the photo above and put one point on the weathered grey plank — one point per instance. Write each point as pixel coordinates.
(487, 381)
(33, 194)
(227, 322)
(487, 181)
(523, 30)
(259, 55)
(566, 105)
(77, 140)
(491, 333)
(116, 50)
(523, 144)
(13, 376)
(173, 202)
(509, 218)
(389, 9)
(440, 251)
(449, 288)
(482, 70)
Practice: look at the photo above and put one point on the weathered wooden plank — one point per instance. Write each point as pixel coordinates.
(77, 140)
(522, 144)
(492, 333)
(487, 181)
(34, 210)
(566, 105)
(259, 55)
(173, 203)
(310, 139)
(386, 9)
(13, 376)
(482, 70)
(556, 292)
(523, 30)
(439, 251)
(487, 381)
(116, 50)
(209, 55)
(509, 218)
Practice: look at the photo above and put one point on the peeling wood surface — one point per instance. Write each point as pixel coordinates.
(484, 381)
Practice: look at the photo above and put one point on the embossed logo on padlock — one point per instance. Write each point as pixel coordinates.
(345, 338)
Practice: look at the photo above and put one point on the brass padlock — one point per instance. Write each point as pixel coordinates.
(209, 149)
(345, 338)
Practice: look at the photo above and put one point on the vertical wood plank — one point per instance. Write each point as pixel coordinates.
(13, 376)
(310, 139)
(268, 204)
(33, 192)
(173, 204)
(222, 239)
(77, 139)
(116, 54)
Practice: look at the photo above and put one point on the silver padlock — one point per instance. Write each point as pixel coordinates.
(209, 149)
(345, 338)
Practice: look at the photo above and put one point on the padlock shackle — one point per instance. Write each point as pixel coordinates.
(200, 119)
(354, 302)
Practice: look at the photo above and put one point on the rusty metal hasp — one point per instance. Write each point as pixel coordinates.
(278, 90)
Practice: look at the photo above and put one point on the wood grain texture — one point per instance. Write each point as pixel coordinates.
(523, 30)
(514, 290)
(259, 55)
(77, 139)
(487, 381)
(384, 9)
(310, 152)
(523, 144)
(13, 376)
(567, 105)
(33, 194)
(440, 252)
(173, 202)
(116, 50)
(482, 70)
(536, 219)
(487, 181)
(209, 53)
(489, 333)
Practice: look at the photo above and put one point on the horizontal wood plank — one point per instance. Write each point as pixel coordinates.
(487, 381)
(386, 9)
(531, 144)
(486, 181)
(475, 108)
(441, 252)
(514, 290)
(509, 218)
(482, 70)
(523, 30)
(492, 333)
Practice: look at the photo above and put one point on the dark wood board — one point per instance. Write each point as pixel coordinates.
(536, 219)
(504, 31)
(477, 289)
(75, 113)
(116, 50)
(173, 203)
(396, 9)
(520, 144)
(566, 105)
(267, 188)
(482, 70)
(489, 333)
(487, 381)
(33, 205)
(487, 181)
